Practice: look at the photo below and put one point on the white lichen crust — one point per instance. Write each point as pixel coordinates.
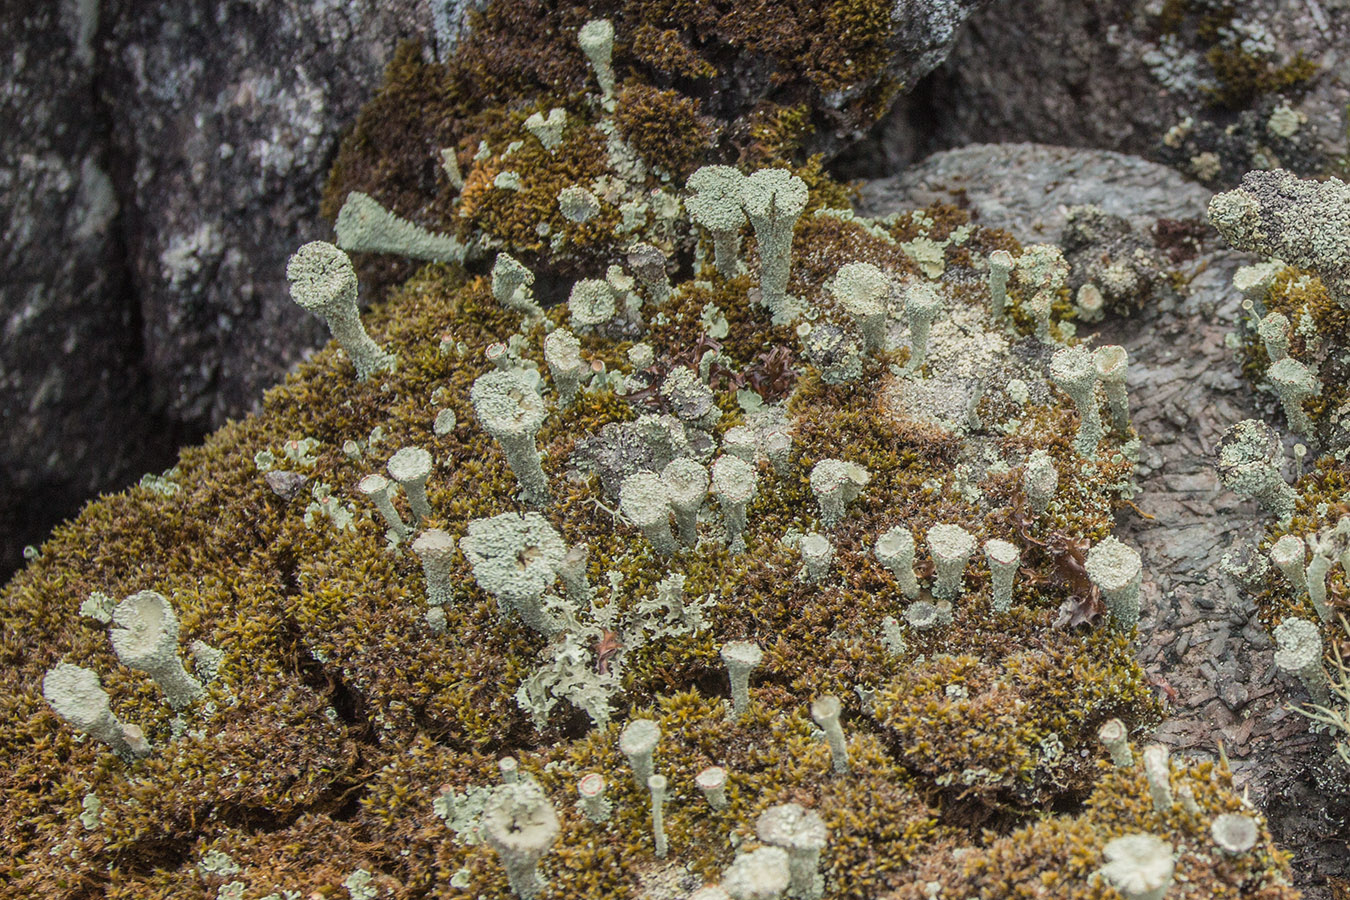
(1248, 464)
(1075, 371)
(802, 833)
(1300, 654)
(76, 695)
(715, 203)
(773, 199)
(1117, 571)
(740, 657)
(951, 547)
(1304, 222)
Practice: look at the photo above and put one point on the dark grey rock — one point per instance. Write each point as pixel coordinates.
(1121, 75)
(158, 164)
(73, 413)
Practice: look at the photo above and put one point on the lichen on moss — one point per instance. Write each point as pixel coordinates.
(347, 726)
(1319, 337)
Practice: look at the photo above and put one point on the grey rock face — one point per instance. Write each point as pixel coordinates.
(159, 164)
(224, 116)
(1136, 77)
(71, 404)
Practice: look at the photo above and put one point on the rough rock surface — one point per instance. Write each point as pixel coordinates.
(158, 165)
(1122, 74)
(73, 413)
(1199, 637)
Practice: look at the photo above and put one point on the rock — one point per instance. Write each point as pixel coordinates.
(73, 409)
(225, 116)
(1029, 188)
(161, 164)
(1212, 93)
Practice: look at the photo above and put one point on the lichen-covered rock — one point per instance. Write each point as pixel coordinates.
(335, 685)
(1213, 89)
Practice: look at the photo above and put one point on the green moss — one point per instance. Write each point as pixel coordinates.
(340, 715)
(1244, 77)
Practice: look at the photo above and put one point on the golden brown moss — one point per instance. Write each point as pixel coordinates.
(665, 128)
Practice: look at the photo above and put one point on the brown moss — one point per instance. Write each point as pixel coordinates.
(1056, 857)
(1244, 77)
(668, 52)
(525, 219)
(1007, 728)
(665, 128)
(522, 55)
(338, 710)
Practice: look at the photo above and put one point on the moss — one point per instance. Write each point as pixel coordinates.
(340, 713)
(340, 716)
(668, 52)
(1005, 727)
(665, 128)
(776, 133)
(521, 55)
(526, 220)
(1057, 857)
(1244, 77)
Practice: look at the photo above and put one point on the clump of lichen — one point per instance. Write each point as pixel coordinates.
(339, 709)
(678, 97)
(1061, 856)
(1317, 335)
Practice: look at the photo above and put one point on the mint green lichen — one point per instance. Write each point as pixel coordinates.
(364, 226)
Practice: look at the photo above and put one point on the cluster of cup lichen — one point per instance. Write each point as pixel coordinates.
(888, 551)
(1295, 319)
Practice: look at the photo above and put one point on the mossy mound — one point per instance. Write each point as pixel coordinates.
(1060, 856)
(697, 83)
(346, 731)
